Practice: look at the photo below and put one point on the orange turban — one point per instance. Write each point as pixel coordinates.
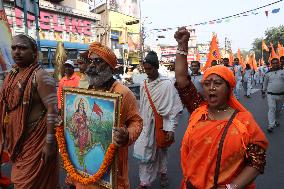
(228, 76)
(103, 52)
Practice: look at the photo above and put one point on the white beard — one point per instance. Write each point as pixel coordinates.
(100, 78)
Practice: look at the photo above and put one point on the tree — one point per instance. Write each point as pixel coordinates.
(273, 35)
(257, 48)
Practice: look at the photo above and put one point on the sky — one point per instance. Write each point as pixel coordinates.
(240, 31)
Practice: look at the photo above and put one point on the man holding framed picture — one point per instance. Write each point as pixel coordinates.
(100, 69)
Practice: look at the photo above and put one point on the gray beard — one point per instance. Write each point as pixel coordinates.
(101, 78)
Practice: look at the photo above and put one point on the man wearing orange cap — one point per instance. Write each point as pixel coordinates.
(100, 69)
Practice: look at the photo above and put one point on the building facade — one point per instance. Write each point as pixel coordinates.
(69, 21)
(120, 29)
(167, 53)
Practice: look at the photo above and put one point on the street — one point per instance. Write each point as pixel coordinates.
(274, 172)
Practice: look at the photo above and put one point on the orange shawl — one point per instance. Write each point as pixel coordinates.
(201, 139)
(25, 143)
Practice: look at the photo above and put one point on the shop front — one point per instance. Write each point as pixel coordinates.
(56, 23)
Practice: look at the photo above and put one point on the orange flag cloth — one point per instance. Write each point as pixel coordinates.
(241, 60)
(264, 47)
(273, 53)
(280, 50)
(214, 53)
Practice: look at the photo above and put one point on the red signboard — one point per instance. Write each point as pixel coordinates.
(50, 21)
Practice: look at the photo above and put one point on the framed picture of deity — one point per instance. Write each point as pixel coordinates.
(86, 147)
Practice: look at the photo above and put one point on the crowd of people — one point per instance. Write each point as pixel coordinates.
(223, 147)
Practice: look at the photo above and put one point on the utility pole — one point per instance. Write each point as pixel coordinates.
(36, 10)
(24, 3)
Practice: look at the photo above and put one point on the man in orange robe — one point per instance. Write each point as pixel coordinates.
(100, 74)
(28, 115)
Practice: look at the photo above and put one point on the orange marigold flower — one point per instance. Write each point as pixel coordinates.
(109, 156)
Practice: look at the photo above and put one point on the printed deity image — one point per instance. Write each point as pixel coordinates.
(88, 124)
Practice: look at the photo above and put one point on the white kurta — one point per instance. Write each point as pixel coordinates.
(168, 105)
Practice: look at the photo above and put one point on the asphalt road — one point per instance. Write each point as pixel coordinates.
(273, 178)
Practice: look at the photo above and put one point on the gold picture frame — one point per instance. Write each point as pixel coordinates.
(89, 118)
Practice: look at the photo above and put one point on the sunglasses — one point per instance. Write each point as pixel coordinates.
(97, 60)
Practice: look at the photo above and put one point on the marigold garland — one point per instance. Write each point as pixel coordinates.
(109, 156)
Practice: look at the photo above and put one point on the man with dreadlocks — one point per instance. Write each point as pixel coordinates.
(100, 70)
(28, 115)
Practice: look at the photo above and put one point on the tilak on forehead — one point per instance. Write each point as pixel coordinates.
(103, 52)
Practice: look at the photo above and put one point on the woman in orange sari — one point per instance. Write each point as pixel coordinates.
(243, 151)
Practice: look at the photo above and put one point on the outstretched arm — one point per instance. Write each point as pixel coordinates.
(186, 89)
(181, 66)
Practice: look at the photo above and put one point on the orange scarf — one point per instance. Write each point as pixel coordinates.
(201, 139)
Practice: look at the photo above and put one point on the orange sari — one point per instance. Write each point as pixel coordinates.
(200, 143)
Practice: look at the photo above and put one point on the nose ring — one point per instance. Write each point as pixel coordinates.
(214, 88)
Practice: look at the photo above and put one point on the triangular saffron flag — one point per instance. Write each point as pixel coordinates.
(241, 61)
(253, 62)
(280, 50)
(273, 53)
(264, 47)
(214, 53)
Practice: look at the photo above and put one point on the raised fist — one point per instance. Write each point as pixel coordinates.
(182, 36)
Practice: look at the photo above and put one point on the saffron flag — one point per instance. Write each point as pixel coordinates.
(273, 53)
(252, 61)
(97, 109)
(280, 50)
(264, 47)
(241, 60)
(214, 53)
